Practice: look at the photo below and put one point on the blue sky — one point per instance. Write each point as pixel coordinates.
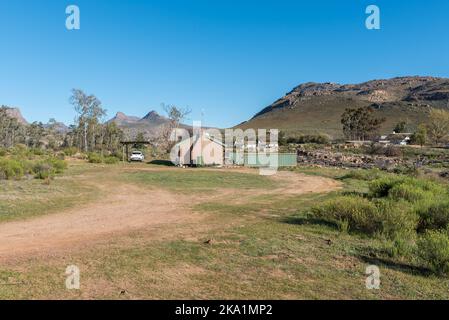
(228, 58)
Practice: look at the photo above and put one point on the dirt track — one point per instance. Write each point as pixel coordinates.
(125, 209)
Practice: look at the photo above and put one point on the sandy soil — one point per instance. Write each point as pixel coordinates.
(126, 208)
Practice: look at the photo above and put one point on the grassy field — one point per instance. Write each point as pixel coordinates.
(264, 247)
(28, 198)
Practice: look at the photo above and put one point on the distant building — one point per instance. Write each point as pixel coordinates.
(401, 139)
(201, 150)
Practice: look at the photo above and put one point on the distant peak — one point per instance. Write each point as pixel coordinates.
(152, 115)
(15, 113)
(121, 115)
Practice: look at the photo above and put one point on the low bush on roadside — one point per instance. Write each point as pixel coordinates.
(94, 158)
(11, 169)
(352, 213)
(111, 160)
(378, 217)
(71, 151)
(48, 168)
(433, 250)
(98, 158)
(41, 168)
(411, 213)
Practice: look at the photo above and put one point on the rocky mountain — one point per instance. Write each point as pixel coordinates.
(313, 108)
(122, 119)
(150, 125)
(57, 127)
(15, 113)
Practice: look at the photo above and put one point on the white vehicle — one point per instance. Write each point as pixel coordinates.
(137, 156)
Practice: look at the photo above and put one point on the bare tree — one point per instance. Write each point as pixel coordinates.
(175, 115)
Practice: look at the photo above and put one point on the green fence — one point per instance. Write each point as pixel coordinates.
(264, 159)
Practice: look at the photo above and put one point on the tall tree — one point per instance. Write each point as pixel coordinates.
(420, 136)
(90, 112)
(438, 127)
(360, 124)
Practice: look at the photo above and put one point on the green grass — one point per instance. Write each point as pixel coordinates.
(29, 198)
(199, 180)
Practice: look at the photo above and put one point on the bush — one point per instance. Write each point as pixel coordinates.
(19, 150)
(58, 164)
(391, 151)
(69, 152)
(43, 170)
(2, 152)
(350, 212)
(398, 219)
(94, 158)
(433, 215)
(381, 187)
(409, 192)
(407, 188)
(37, 151)
(433, 250)
(11, 169)
(48, 168)
(111, 160)
(381, 216)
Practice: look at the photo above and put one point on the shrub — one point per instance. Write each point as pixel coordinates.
(391, 151)
(37, 151)
(381, 187)
(19, 150)
(409, 192)
(407, 188)
(399, 220)
(433, 215)
(70, 151)
(11, 169)
(94, 158)
(48, 168)
(433, 250)
(353, 212)
(2, 152)
(111, 160)
(43, 170)
(58, 164)
(381, 216)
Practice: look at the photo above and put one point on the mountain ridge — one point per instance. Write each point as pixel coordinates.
(312, 108)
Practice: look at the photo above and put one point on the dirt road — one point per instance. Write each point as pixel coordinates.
(126, 208)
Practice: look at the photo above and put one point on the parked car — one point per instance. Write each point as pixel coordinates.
(137, 156)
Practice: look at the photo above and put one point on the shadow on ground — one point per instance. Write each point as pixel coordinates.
(166, 163)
